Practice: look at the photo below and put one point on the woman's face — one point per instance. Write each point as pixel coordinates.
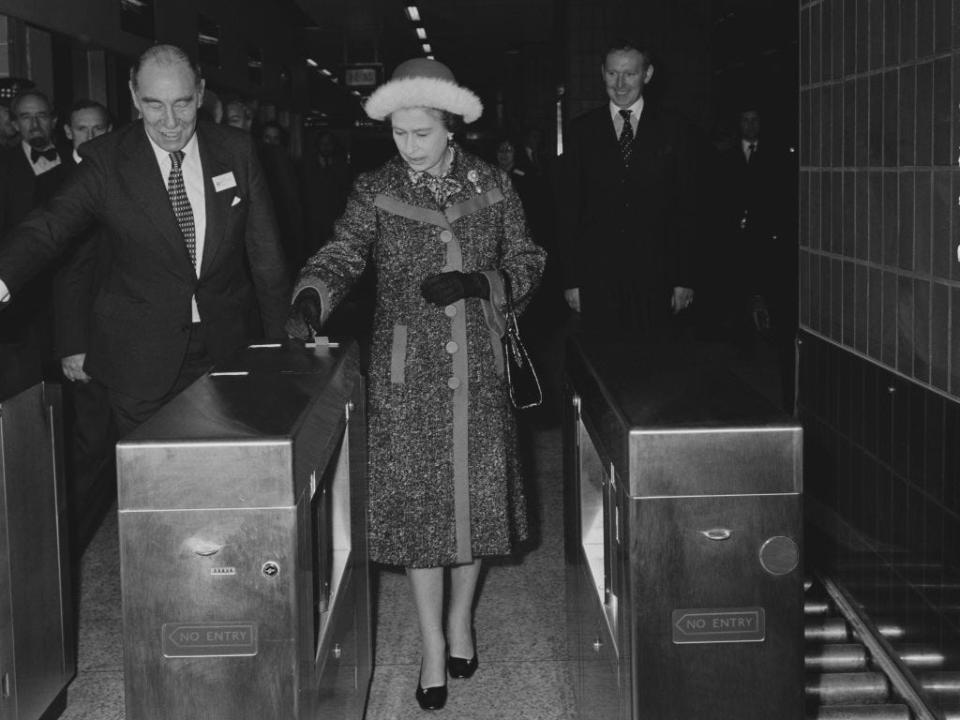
(505, 155)
(421, 138)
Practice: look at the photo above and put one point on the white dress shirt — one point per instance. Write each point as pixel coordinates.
(193, 182)
(745, 146)
(635, 111)
(42, 165)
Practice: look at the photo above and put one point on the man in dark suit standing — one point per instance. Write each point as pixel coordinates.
(755, 255)
(628, 207)
(30, 172)
(194, 249)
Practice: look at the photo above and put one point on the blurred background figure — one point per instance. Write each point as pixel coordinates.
(272, 133)
(753, 286)
(281, 176)
(326, 178)
(9, 135)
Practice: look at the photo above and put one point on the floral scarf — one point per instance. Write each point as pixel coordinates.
(442, 186)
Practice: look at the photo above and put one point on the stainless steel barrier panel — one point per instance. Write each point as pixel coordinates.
(243, 553)
(37, 642)
(683, 523)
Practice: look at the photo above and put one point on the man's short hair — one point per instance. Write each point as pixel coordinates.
(23, 95)
(87, 104)
(626, 45)
(164, 55)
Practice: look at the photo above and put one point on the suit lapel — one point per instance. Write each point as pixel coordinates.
(141, 176)
(217, 203)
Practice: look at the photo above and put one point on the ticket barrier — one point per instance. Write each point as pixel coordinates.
(37, 641)
(683, 523)
(242, 517)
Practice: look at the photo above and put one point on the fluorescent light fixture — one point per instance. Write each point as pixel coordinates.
(413, 13)
(311, 62)
(326, 72)
(431, 57)
(426, 48)
(421, 33)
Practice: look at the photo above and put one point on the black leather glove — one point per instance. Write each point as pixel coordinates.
(305, 314)
(448, 287)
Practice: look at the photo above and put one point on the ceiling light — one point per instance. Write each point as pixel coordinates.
(413, 13)
(431, 57)
(426, 48)
(311, 62)
(326, 72)
(421, 33)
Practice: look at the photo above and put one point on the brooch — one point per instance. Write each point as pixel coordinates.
(474, 178)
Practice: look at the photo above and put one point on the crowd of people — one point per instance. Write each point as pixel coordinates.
(134, 259)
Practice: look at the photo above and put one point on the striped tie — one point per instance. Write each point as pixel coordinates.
(626, 136)
(181, 204)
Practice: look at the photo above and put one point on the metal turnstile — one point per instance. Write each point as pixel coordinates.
(683, 525)
(37, 642)
(242, 515)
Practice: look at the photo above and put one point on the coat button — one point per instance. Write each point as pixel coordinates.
(453, 383)
(452, 347)
(446, 236)
(450, 311)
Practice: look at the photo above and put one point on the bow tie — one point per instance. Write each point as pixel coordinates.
(50, 154)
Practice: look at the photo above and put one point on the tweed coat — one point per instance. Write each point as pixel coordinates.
(444, 473)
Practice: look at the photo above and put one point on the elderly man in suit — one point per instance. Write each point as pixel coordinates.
(194, 251)
(30, 172)
(628, 206)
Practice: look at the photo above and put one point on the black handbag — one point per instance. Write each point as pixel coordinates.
(522, 378)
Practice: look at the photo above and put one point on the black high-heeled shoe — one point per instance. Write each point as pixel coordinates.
(460, 668)
(432, 698)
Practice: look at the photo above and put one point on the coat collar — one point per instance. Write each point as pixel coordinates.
(398, 180)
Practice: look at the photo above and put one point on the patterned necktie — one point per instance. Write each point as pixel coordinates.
(626, 136)
(751, 149)
(181, 204)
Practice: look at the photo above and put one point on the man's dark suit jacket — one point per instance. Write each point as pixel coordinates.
(84, 269)
(629, 226)
(141, 315)
(753, 218)
(20, 192)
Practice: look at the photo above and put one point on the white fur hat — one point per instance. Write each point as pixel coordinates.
(422, 82)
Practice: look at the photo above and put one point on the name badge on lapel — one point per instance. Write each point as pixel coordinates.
(224, 182)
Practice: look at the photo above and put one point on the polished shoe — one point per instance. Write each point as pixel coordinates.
(433, 698)
(460, 668)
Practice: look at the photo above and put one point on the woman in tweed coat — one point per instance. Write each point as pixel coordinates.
(446, 233)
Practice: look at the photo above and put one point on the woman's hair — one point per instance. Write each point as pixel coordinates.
(453, 123)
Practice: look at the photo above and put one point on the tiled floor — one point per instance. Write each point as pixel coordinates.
(523, 669)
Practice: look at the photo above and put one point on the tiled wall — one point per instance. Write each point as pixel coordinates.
(879, 183)
(880, 289)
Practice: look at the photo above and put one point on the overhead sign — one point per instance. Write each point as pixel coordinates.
(209, 639)
(718, 625)
(363, 76)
